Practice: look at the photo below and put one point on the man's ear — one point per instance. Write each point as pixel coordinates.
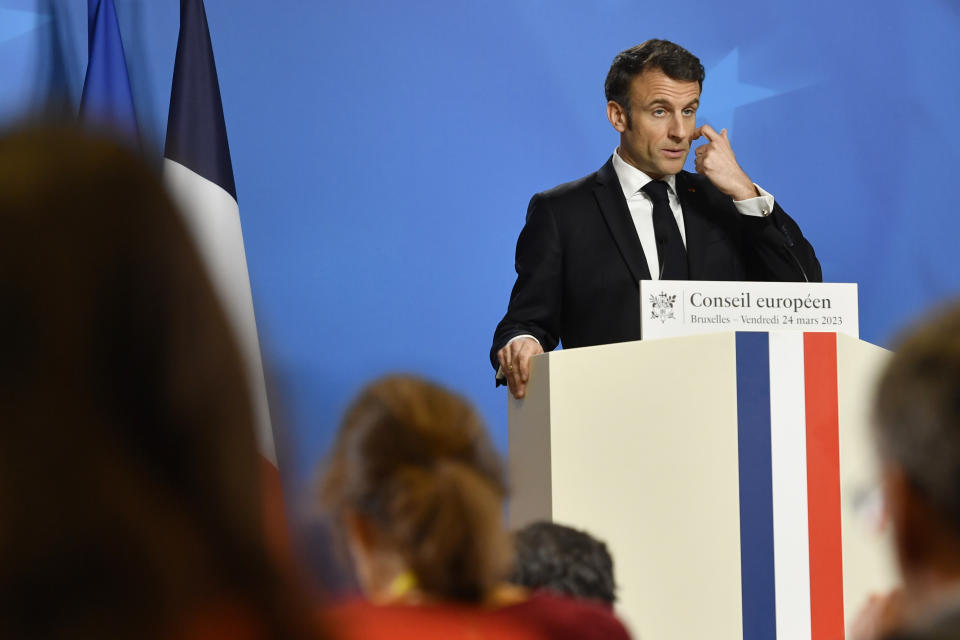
(617, 116)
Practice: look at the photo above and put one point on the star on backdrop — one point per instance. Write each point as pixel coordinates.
(726, 93)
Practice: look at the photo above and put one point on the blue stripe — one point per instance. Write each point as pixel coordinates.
(756, 486)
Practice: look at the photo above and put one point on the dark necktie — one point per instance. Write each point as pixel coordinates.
(671, 253)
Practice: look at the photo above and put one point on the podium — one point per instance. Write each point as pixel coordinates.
(731, 475)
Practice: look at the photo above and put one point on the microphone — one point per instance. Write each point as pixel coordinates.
(788, 245)
(797, 262)
(779, 237)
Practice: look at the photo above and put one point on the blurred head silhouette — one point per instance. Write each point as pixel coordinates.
(129, 498)
(917, 428)
(418, 489)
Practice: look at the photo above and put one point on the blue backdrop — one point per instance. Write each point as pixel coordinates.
(385, 152)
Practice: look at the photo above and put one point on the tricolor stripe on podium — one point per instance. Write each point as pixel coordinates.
(791, 560)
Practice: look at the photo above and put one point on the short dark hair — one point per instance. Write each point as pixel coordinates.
(564, 560)
(672, 59)
(917, 411)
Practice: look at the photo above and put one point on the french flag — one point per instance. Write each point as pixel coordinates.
(789, 466)
(199, 174)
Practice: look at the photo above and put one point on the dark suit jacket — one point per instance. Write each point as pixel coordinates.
(579, 259)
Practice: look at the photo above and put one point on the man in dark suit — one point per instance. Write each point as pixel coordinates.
(587, 243)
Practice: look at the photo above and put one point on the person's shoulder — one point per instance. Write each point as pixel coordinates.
(567, 201)
(563, 617)
(360, 620)
(574, 186)
(578, 187)
(698, 190)
(696, 182)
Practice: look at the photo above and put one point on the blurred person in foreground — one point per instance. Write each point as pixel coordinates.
(417, 489)
(130, 503)
(917, 431)
(563, 560)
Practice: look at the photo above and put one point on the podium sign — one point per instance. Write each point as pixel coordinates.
(672, 308)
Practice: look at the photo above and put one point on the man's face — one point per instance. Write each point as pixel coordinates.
(663, 117)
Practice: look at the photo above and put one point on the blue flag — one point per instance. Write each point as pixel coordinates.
(107, 101)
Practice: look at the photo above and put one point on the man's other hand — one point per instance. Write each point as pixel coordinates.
(515, 363)
(716, 161)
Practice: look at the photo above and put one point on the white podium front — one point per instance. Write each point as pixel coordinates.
(730, 474)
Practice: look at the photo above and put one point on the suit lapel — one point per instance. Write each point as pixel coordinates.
(694, 223)
(613, 206)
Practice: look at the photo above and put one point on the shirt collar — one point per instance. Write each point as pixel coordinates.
(632, 179)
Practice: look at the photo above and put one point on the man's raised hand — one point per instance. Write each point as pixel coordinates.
(515, 363)
(716, 161)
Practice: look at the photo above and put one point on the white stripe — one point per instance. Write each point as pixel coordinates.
(214, 220)
(788, 444)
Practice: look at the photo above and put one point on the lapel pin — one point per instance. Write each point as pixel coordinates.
(692, 190)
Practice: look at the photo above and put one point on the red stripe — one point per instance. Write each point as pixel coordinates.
(823, 486)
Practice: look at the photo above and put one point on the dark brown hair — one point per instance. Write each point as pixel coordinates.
(673, 60)
(415, 461)
(129, 498)
(917, 410)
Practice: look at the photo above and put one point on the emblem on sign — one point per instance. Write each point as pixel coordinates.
(661, 307)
